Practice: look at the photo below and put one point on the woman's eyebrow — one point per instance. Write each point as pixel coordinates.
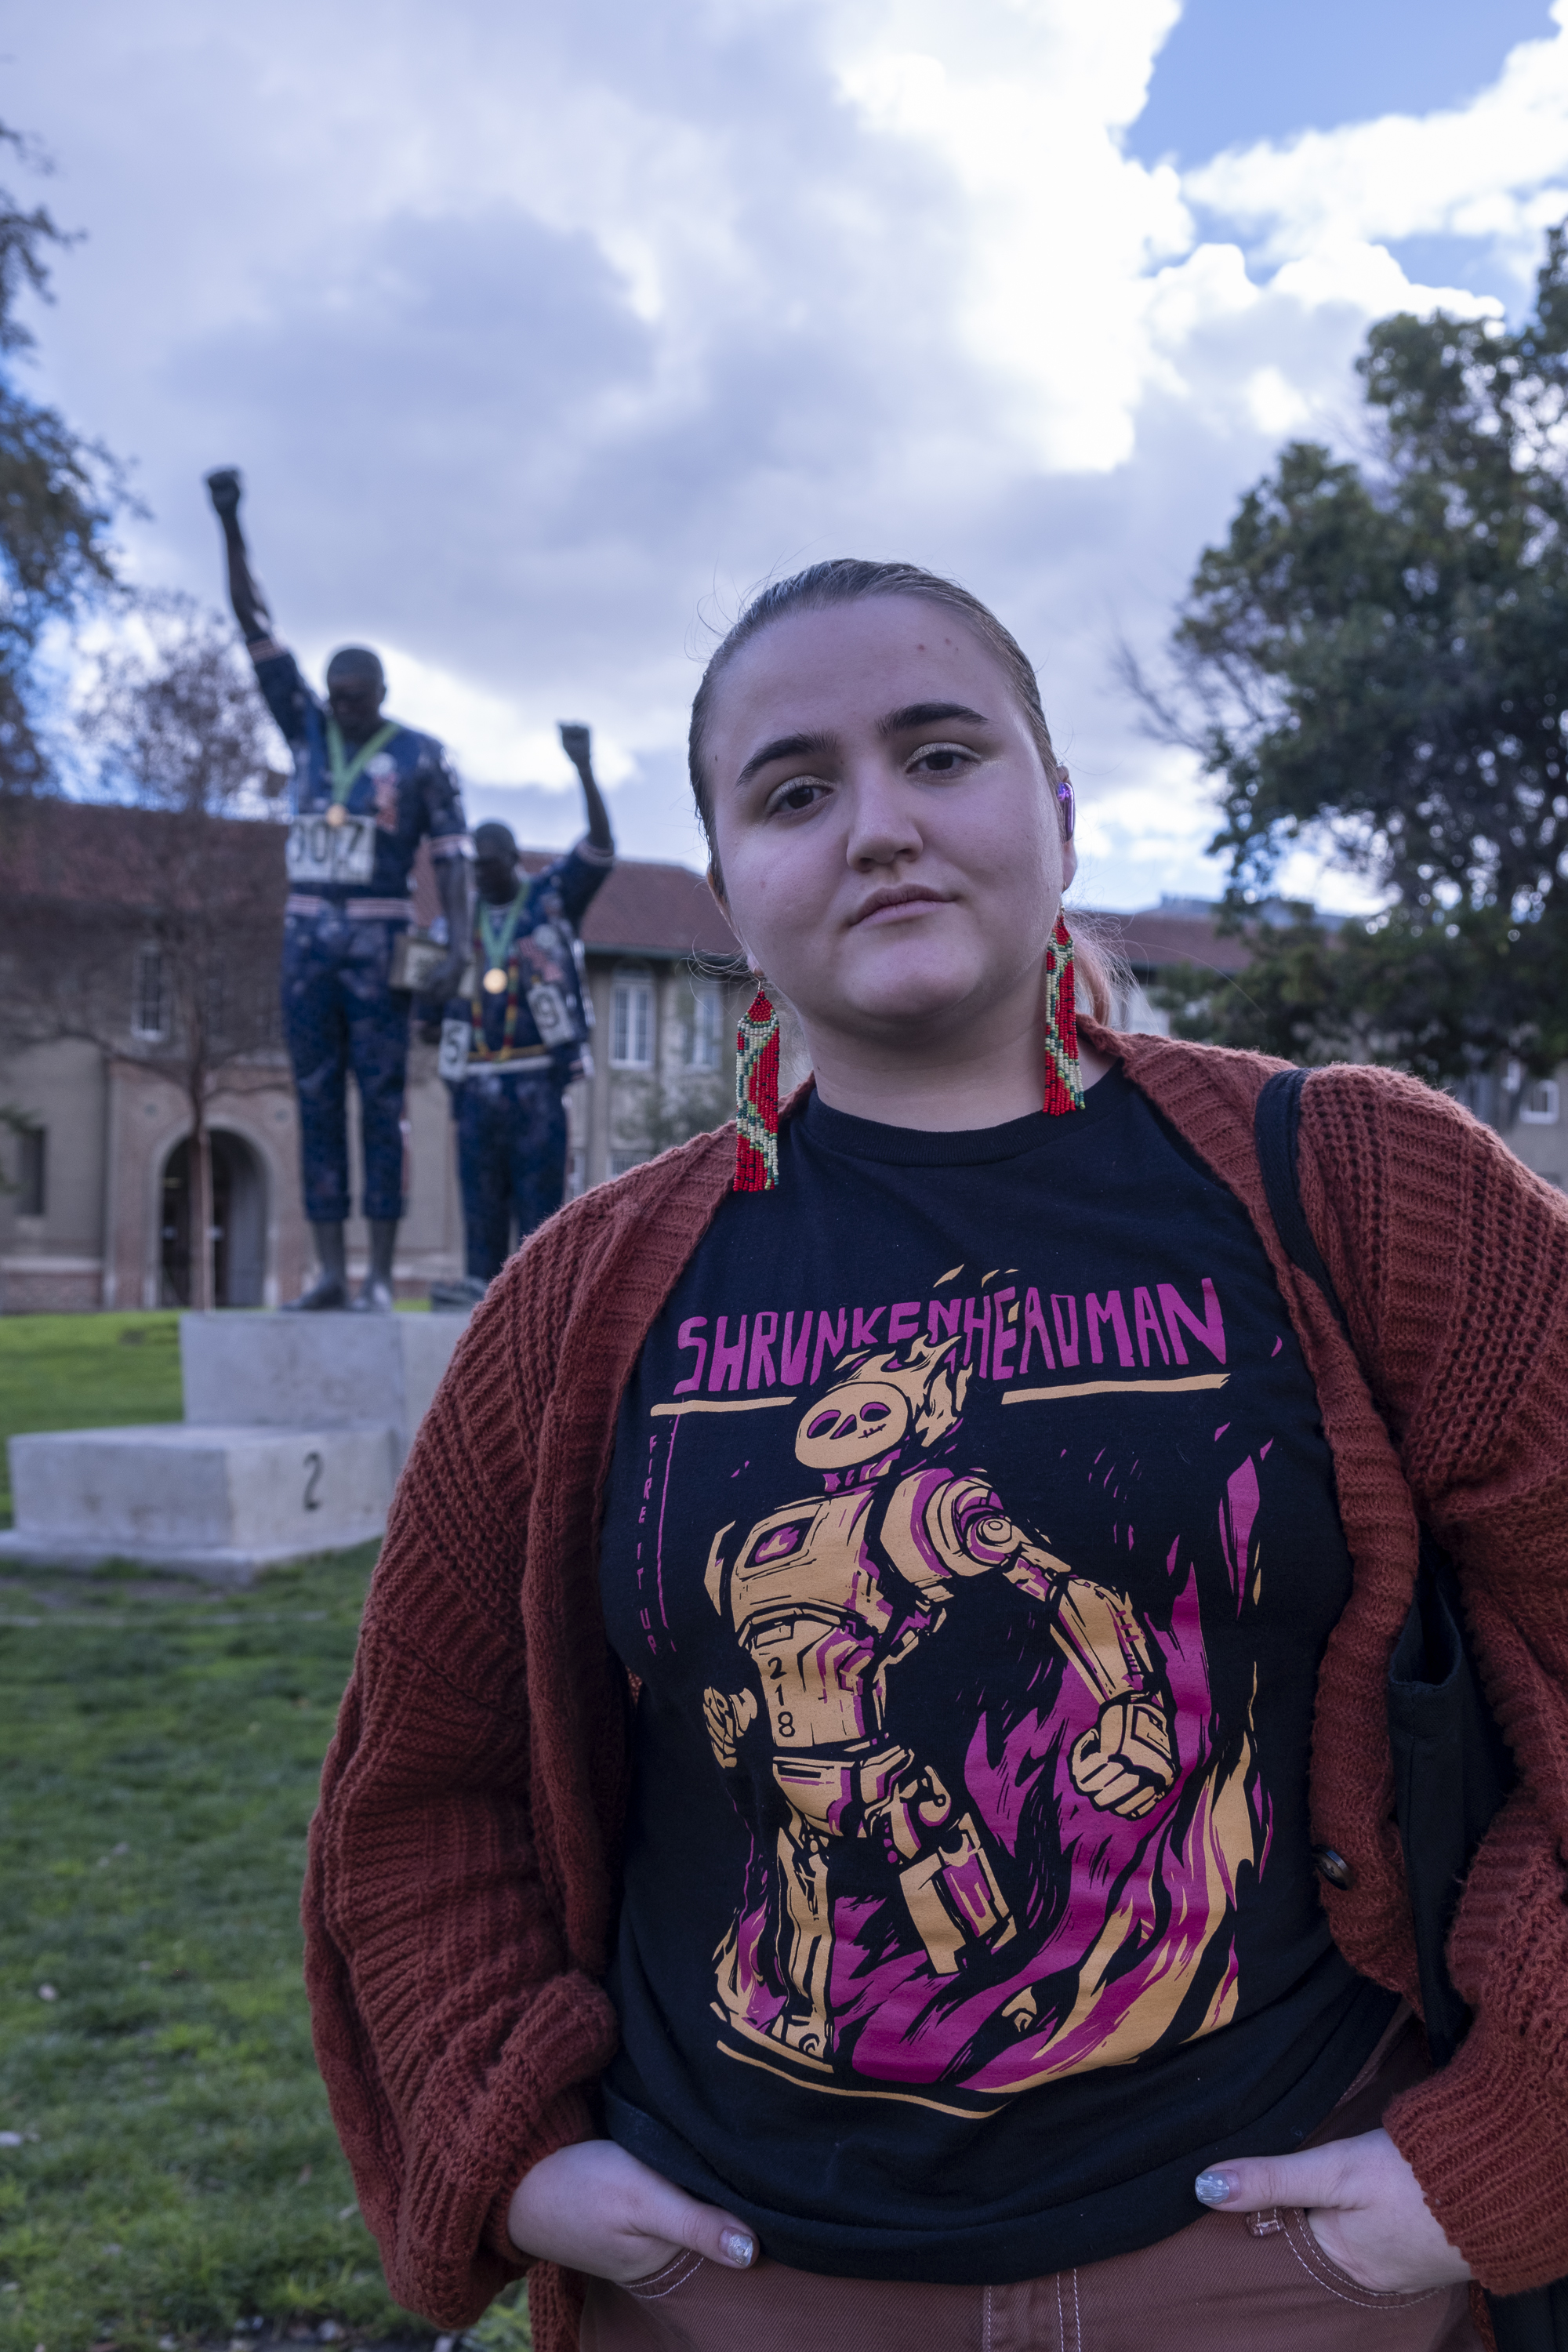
(928, 714)
(786, 747)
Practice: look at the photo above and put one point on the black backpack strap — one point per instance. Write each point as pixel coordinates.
(1276, 1128)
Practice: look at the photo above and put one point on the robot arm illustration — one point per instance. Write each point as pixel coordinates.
(1126, 1763)
(939, 1528)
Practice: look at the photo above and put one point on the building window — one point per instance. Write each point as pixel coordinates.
(31, 1167)
(1540, 1106)
(631, 1019)
(621, 1161)
(150, 999)
(705, 1038)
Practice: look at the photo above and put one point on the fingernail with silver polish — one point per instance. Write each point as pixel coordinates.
(1213, 2187)
(738, 2248)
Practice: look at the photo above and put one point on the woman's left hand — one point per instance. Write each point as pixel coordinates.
(1364, 2206)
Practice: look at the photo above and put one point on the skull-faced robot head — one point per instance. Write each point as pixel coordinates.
(862, 1423)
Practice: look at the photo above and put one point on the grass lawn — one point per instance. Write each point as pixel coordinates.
(167, 2166)
(84, 1372)
(159, 1757)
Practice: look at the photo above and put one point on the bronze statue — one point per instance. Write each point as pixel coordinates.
(366, 790)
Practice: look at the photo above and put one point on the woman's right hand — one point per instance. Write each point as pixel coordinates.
(594, 2208)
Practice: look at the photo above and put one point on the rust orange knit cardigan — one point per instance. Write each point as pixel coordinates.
(465, 1858)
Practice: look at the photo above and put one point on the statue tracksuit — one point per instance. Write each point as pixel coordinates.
(348, 901)
(508, 1083)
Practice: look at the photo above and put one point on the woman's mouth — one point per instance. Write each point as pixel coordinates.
(892, 905)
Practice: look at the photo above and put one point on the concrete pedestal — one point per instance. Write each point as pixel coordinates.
(296, 1427)
(214, 1502)
(335, 1371)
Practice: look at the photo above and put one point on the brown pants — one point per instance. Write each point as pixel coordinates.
(1226, 2284)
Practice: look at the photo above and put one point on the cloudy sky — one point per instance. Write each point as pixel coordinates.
(542, 333)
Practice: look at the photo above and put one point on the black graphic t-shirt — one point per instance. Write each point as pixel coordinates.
(972, 1535)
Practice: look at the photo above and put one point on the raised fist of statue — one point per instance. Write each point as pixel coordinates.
(574, 742)
(223, 488)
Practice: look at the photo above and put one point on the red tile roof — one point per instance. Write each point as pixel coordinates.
(69, 853)
(646, 909)
(1155, 939)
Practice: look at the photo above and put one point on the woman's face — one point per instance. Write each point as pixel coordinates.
(890, 849)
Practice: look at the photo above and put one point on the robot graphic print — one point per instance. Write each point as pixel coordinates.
(997, 1816)
(970, 1550)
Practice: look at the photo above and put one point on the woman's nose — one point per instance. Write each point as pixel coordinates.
(882, 825)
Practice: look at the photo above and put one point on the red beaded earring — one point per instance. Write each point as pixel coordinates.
(1064, 1081)
(757, 1097)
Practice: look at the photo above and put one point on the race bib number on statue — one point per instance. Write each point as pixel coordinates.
(552, 1014)
(452, 1061)
(317, 852)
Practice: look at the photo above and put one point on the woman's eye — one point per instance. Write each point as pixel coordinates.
(801, 792)
(942, 759)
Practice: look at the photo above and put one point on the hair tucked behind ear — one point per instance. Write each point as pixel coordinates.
(847, 580)
(1103, 978)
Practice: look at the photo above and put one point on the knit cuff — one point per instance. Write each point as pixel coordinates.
(1497, 2194)
(567, 2119)
(471, 2145)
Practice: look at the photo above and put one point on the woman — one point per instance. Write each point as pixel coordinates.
(819, 1846)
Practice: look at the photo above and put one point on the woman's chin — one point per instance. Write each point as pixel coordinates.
(899, 1008)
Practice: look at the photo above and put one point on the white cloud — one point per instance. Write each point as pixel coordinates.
(543, 335)
(1497, 168)
(1059, 226)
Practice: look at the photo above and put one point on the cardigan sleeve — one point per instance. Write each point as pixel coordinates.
(456, 2037)
(1453, 1261)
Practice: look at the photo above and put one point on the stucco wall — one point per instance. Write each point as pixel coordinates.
(55, 1262)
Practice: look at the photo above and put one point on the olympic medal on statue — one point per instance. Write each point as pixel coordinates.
(495, 981)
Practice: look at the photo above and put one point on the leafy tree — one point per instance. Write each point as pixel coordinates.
(1379, 653)
(59, 496)
(173, 713)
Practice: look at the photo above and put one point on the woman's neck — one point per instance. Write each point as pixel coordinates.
(943, 1091)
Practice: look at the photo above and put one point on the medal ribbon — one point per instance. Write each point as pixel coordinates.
(498, 940)
(347, 773)
(497, 943)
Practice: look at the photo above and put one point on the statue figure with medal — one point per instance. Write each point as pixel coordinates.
(366, 790)
(517, 1035)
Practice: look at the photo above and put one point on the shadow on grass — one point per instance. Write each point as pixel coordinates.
(167, 2166)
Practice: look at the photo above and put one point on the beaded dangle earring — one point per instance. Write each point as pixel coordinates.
(757, 1097)
(1064, 1082)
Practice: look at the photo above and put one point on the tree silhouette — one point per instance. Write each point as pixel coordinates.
(1378, 654)
(59, 494)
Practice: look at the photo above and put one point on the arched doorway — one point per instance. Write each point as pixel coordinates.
(240, 1224)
